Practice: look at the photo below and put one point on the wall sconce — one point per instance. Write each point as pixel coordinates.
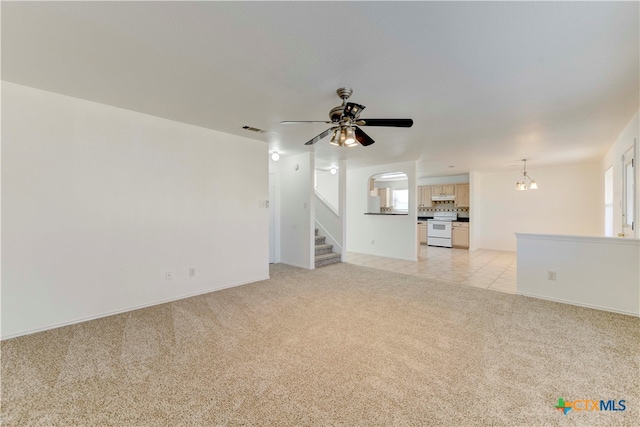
(333, 170)
(275, 156)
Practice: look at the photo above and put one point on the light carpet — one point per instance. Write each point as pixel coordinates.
(341, 345)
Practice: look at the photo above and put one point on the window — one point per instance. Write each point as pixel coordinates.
(401, 200)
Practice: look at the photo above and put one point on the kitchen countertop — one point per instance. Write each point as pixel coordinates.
(424, 218)
(390, 213)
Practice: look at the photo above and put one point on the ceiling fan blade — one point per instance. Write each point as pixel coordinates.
(363, 138)
(319, 137)
(398, 123)
(294, 122)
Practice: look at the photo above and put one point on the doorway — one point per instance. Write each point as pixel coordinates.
(628, 192)
(272, 219)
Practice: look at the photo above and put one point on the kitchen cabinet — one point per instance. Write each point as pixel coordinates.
(443, 190)
(460, 234)
(422, 227)
(424, 196)
(462, 195)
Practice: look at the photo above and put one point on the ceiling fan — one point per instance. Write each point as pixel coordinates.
(346, 120)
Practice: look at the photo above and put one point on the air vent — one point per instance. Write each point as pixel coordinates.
(252, 129)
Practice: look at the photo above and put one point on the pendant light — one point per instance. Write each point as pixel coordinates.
(526, 183)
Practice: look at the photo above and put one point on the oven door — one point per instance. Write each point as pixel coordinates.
(440, 229)
(439, 233)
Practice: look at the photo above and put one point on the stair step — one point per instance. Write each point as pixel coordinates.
(324, 248)
(326, 259)
(320, 240)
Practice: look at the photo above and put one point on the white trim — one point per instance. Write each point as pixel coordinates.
(580, 239)
(305, 267)
(125, 310)
(564, 301)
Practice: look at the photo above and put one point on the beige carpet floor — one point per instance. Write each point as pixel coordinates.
(341, 345)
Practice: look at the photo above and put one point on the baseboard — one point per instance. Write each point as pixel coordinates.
(563, 301)
(306, 267)
(125, 310)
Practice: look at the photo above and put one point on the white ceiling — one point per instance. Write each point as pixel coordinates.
(486, 83)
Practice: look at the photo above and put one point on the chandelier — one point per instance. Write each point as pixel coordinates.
(526, 183)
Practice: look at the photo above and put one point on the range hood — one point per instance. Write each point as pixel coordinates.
(443, 198)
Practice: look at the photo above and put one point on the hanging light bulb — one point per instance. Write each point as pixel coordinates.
(350, 139)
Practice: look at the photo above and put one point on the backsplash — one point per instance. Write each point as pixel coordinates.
(444, 207)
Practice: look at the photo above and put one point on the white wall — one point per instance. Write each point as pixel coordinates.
(453, 179)
(393, 236)
(401, 184)
(597, 272)
(328, 187)
(99, 202)
(296, 210)
(568, 201)
(613, 158)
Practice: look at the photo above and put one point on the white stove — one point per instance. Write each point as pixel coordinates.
(439, 229)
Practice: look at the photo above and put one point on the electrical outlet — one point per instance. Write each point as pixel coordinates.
(168, 275)
(192, 272)
(551, 275)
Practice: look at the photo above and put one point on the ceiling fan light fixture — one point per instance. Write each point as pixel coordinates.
(335, 138)
(350, 138)
(342, 138)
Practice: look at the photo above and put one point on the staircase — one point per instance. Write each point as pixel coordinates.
(324, 252)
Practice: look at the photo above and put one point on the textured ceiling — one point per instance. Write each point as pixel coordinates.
(486, 83)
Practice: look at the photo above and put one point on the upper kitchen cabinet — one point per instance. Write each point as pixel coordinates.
(443, 190)
(424, 196)
(462, 195)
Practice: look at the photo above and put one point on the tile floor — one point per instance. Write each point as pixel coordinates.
(482, 268)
